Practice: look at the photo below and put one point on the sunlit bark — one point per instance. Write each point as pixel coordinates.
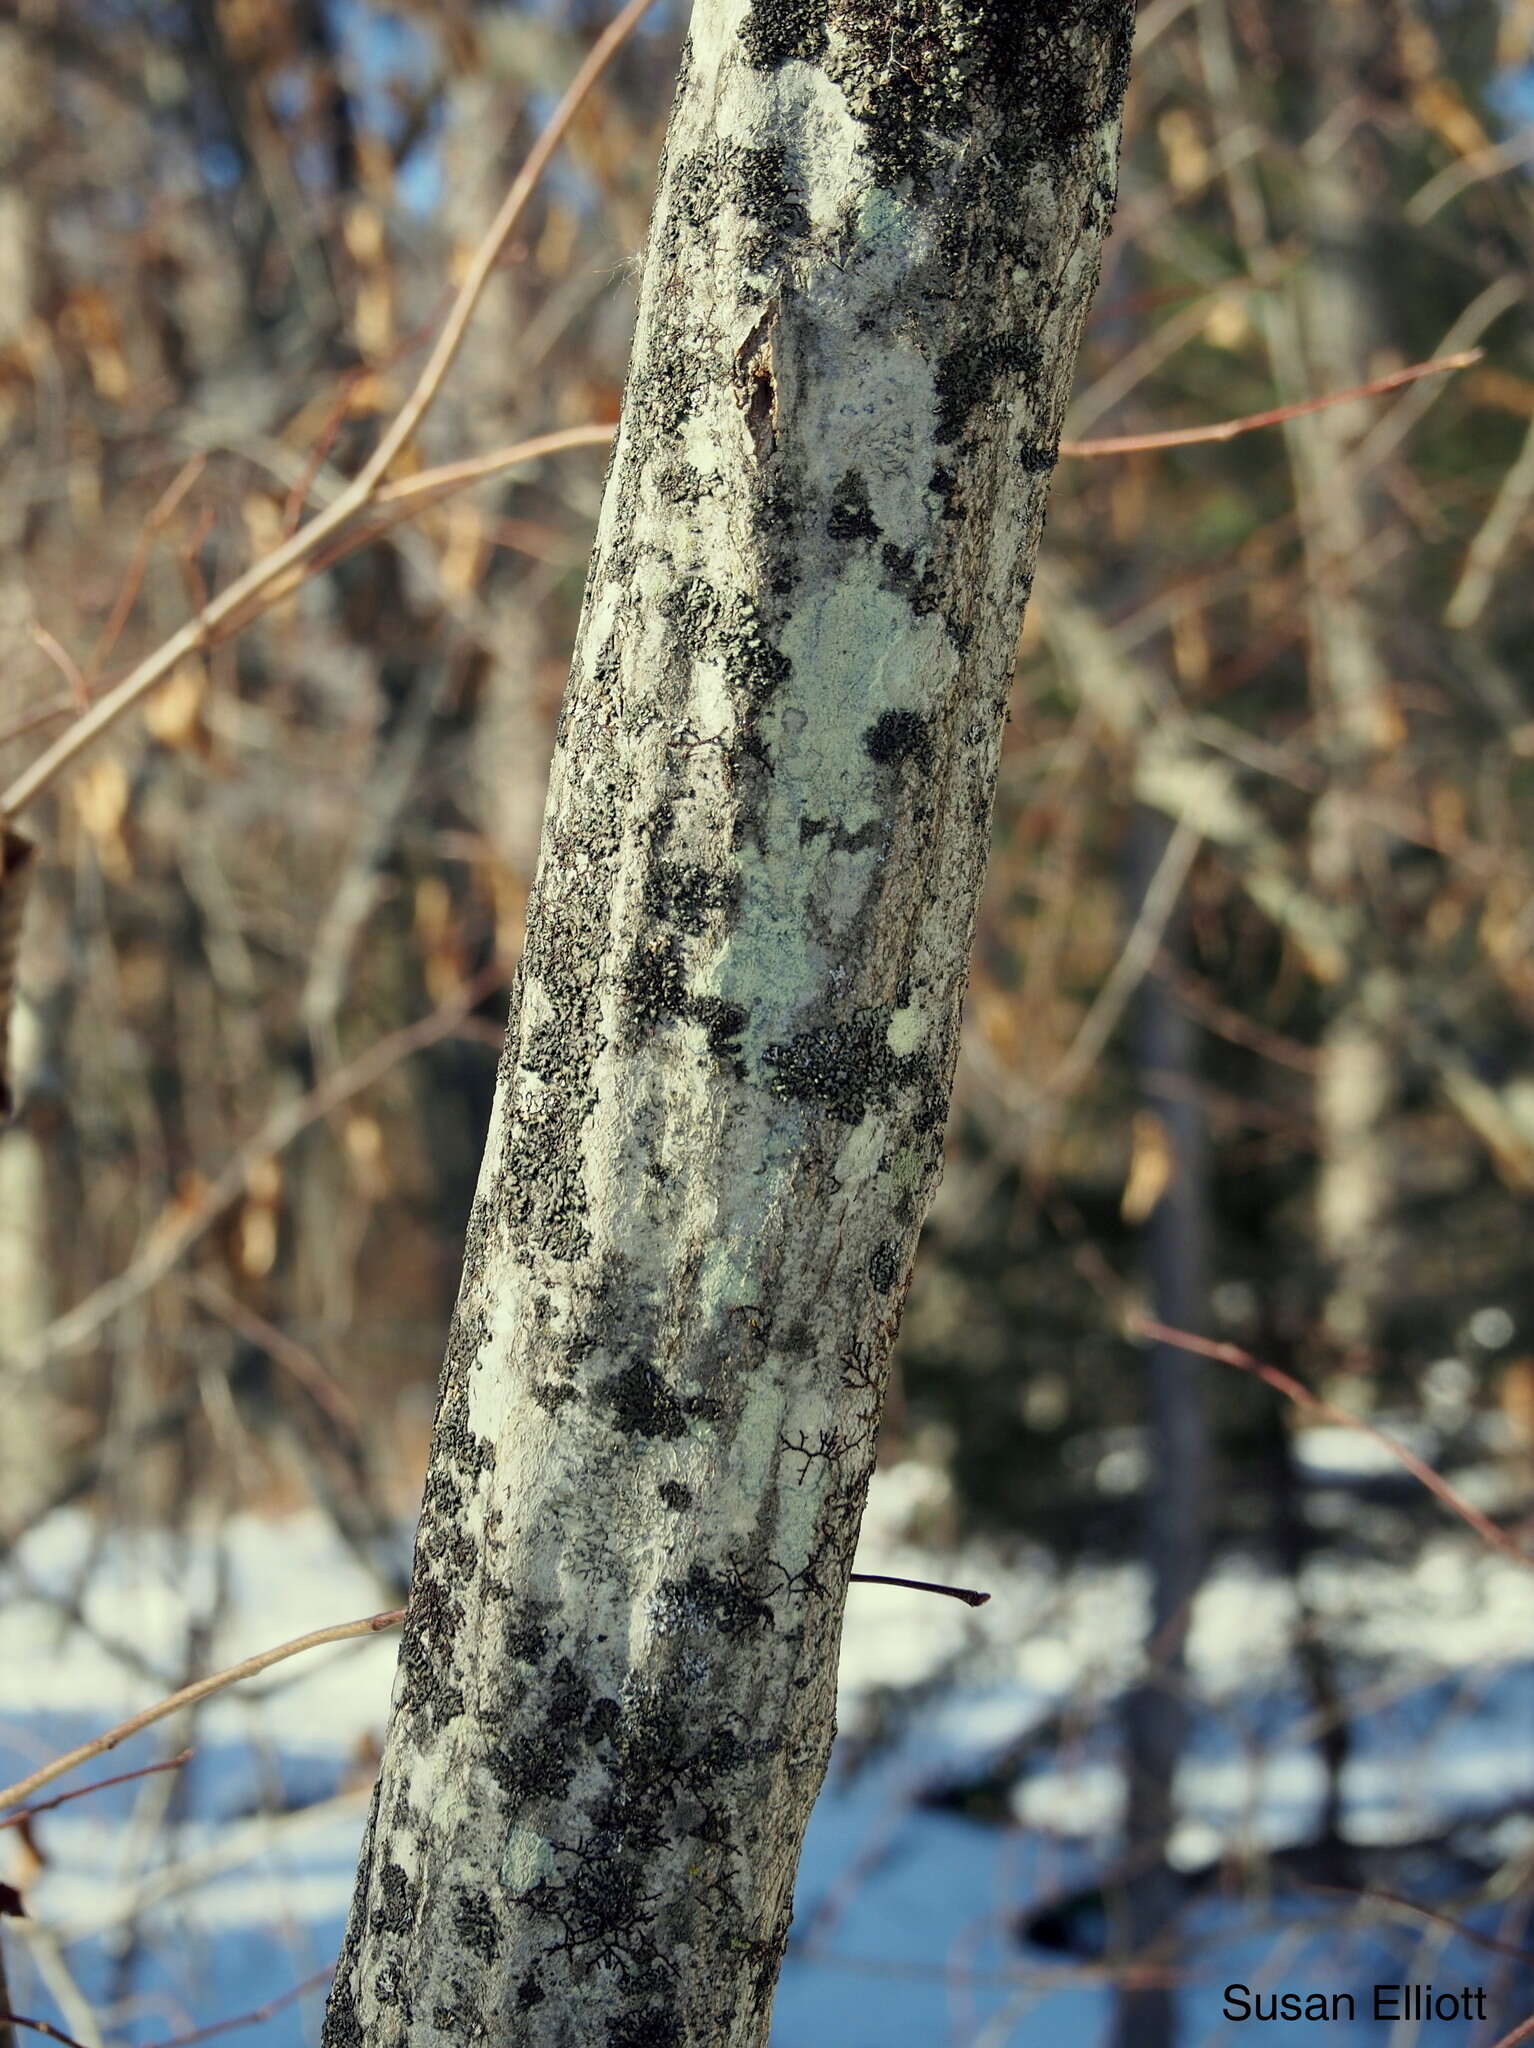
(721, 1107)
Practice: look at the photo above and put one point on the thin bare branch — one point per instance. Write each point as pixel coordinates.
(1227, 430)
(248, 595)
(61, 707)
(431, 484)
(171, 1763)
(161, 514)
(7, 2020)
(64, 662)
(1133, 964)
(164, 1252)
(189, 1695)
(1519, 2034)
(1460, 1929)
(1327, 1411)
(283, 1350)
(488, 253)
(1396, 421)
(968, 1594)
(18, 2019)
(254, 2017)
(260, 580)
(1493, 538)
(1447, 184)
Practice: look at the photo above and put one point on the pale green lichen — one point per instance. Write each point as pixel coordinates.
(907, 1029)
(527, 1859)
(754, 1451)
(859, 1158)
(885, 221)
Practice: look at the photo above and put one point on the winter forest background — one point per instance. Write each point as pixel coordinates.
(1247, 1055)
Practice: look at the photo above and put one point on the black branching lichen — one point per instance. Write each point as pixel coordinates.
(544, 1189)
(641, 1404)
(709, 1603)
(874, 833)
(393, 1912)
(539, 1765)
(884, 1265)
(762, 185)
(851, 516)
(848, 1068)
(901, 575)
(914, 72)
(654, 982)
(433, 1623)
(604, 1901)
(655, 2026)
(975, 374)
(759, 182)
(685, 893)
(474, 1923)
(723, 1022)
(898, 736)
(777, 31)
(527, 1640)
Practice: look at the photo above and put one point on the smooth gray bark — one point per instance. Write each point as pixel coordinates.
(720, 1111)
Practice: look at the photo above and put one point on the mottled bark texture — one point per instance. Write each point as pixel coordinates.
(720, 1112)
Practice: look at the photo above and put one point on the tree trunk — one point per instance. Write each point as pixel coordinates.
(1319, 333)
(1339, 326)
(1176, 1249)
(720, 1111)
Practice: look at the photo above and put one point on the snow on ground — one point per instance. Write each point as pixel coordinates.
(189, 1896)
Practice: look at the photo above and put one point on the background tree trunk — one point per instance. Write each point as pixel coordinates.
(1341, 325)
(1319, 332)
(720, 1111)
(1176, 1252)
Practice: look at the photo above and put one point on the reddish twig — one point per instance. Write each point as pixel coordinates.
(1227, 430)
(310, 1372)
(19, 2019)
(430, 484)
(324, 441)
(1519, 2034)
(65, 663)
(173, 1763)
(1296, 1391)
(159, 518)
(253, 2018)
(338, 1632)
(1421, 1912)
(61, 707)
(1231, 1024)
(400, 502)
